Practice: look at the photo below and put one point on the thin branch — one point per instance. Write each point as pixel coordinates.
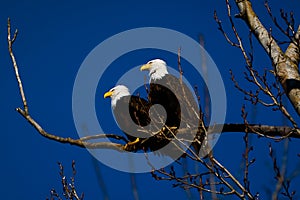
(183, 181)
(13, 59)
(102, 135)
(76, 142)
(289, 23)
(239, 39)
(220, 28)
(282, 182)
(69, 189)
(179, 62)
(248, 149)
(261, 82)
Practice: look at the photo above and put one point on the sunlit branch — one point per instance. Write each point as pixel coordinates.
(285, 64)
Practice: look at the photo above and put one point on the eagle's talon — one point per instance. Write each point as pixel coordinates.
(130, 146)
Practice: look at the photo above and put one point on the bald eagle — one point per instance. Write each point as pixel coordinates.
(174, 95)
(122, 102)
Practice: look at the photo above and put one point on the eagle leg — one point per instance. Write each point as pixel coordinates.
(171, 128)
(130, 146)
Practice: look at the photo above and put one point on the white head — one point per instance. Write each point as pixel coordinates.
(157, 69)
(117, 93)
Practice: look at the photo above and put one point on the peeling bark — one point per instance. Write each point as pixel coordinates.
(285, 63)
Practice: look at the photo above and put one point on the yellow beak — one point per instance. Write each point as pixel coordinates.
(108, 94)
(145, 67)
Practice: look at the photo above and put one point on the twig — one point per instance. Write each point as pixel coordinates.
(289, 23)
(69, 189)
(282, 182)
(13, 59)
(179, 63)
(248, 149)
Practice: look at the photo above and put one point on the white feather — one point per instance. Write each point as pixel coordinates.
(118, 92)
(157, 70)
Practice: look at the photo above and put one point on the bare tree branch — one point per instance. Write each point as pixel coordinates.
(246, 153)
(69, 189)
(26, 115)
(285, 64)
(282, 182)
(76, 142)
(10, 44)
(289, 31)
(262, 130)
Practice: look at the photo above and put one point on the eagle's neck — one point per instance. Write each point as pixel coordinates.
(117, 97)
(157, 74)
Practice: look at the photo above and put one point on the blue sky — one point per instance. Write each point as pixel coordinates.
(54, 39)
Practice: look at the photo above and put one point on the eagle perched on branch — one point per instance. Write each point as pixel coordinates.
(178, 100)
(133, 116)
(129, 112)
